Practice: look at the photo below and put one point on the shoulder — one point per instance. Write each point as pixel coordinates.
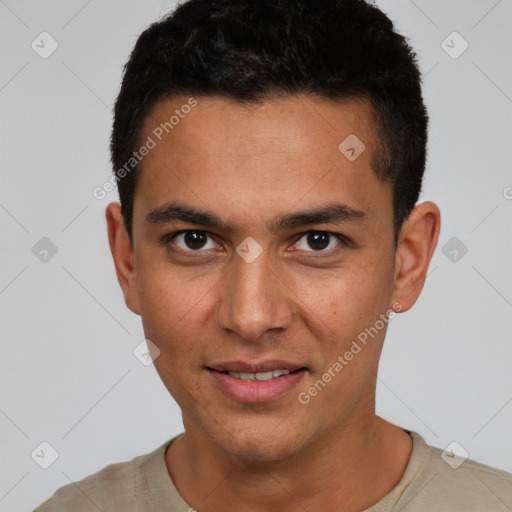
(441, 480)
(475, 478)
(113, 488)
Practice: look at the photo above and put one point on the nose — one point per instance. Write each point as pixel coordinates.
(254, 300)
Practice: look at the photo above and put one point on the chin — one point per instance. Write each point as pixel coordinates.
(262, 445)
(258, 451)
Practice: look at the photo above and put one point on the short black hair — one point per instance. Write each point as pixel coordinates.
(254, 50)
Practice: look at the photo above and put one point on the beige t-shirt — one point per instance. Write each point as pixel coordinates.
(429, 484)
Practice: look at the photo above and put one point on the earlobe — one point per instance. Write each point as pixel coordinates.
(123, 255)
(416, 244)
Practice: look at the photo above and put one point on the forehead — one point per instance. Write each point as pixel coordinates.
(277, 125)
(260, 158)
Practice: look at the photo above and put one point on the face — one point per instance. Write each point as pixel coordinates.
(259, 246)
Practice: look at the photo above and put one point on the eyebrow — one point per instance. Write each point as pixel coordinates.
(331, 213)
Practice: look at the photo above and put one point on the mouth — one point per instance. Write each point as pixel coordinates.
(256, 383)
(260, 376)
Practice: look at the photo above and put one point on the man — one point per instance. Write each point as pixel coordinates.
(269, 156)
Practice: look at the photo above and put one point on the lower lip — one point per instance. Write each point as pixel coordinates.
(256, 391)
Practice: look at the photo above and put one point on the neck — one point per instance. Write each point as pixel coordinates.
(347, 470)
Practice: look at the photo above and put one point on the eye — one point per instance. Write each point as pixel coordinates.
(318, 241)
(192, 240)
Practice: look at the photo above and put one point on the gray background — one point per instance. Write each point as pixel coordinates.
(69, 376)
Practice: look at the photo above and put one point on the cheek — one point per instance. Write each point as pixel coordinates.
(172, 309)
(167, 291)
(173, 313)
(347, 299)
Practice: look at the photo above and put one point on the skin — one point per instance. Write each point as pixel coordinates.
(248, 165)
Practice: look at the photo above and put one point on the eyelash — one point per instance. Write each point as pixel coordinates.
(344, 241)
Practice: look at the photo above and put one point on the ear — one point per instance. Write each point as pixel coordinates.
(122, 252)
(416, 244)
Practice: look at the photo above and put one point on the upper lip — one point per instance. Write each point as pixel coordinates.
(263, 366)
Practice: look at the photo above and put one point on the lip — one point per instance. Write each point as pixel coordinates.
(254, 391)
(263, 366)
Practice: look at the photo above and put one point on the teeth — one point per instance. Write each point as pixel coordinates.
(259, 376)
(278, 373)
(264, 375)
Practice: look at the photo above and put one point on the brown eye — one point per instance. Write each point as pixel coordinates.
(318, 241)
(193, 241)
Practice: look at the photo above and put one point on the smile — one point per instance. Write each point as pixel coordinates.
(273, 374)
(256, 387)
